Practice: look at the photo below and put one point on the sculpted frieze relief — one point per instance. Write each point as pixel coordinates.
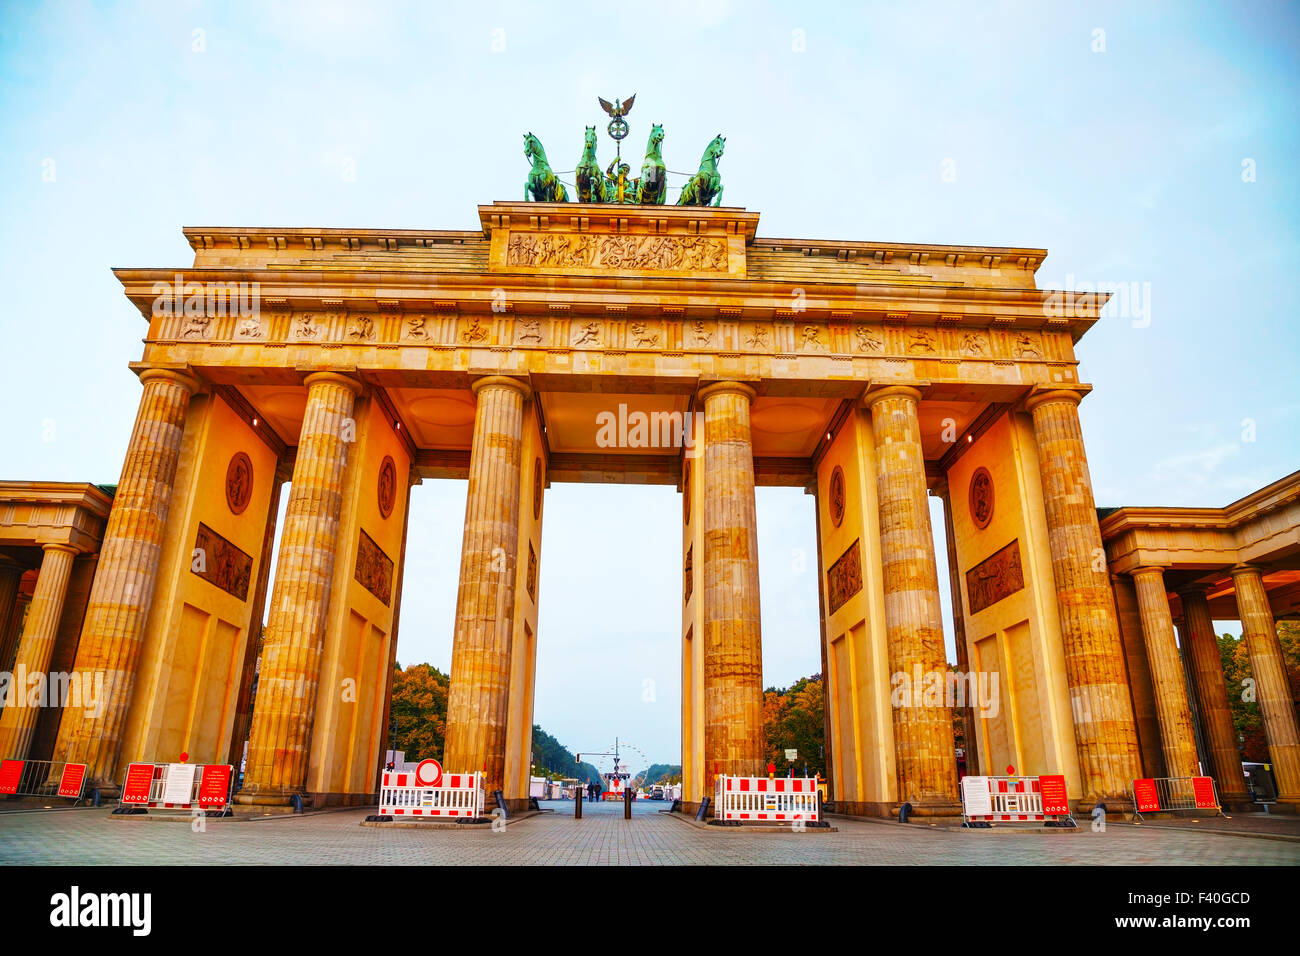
(643, 336)
(816, 339)
(528, 331)
(587, 334)
(414, 327)
(649, 253)
(617, 330)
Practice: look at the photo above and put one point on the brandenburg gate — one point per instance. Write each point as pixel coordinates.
(873, 375)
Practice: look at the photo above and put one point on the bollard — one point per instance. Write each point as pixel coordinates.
(703, 811)
(577, 804)
(627, 803)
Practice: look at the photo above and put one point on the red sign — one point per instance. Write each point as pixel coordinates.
(11, 771)
(771, 768)
(1052, 788)
(214, 786)
(1144, 792)
(1203, 790)
(428, 773)
(73, 776)
(139, 777)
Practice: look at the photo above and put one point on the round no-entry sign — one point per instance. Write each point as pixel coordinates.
(428, 773)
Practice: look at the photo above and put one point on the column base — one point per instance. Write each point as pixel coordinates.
(931, 810)
(1285, 805)
(1238, 802)
(271, 798)
(1121, 806)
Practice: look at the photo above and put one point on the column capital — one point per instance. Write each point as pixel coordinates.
(183, 377)
(71, 549)
(1201, 589)
(334, 378)
(502, 381)
(891, 391)
(1240, 570)
(1049, 395)
(720, 388)
(1149, 569)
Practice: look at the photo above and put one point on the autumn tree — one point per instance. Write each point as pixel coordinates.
(419, 710)
(794, 719)
(1247, 719)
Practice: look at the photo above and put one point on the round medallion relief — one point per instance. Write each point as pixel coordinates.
(239, 482)
(981, 498)
(387, 486)
(838, 493)
(537, 488)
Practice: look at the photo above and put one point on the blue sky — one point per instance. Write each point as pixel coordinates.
(122, 124)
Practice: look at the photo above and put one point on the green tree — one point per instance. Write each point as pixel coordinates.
(794, 719)
(419, 710)
(1247, 719)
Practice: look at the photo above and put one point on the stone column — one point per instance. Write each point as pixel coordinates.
(478, 701)
(733, 655)
(11, 576)
(1094, 658)
(18, 720)
(285, 706)
(1177, 742)
(1212, 698)
(120, 598)
(1272, 688)
(923, 739)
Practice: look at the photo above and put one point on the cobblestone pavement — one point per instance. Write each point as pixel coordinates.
(601, 837)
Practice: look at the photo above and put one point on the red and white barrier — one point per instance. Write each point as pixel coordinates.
(766, 799)
(177, 786)
(1014, 799)
(427, 792)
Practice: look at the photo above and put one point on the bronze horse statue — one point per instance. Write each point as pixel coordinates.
(542, 184)
(652, 187)
(590, 180)
(705, 187)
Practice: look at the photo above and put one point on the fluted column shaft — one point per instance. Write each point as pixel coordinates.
(1177, 739)
(1105, 736)
(285, 707)
(1212, 697)
(1272, 689)
(113, 631)
(18, 721)
(478, 701)
(11, 577)
(923, 739)
(733, 652)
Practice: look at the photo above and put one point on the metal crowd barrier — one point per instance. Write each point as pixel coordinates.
(1171, 794)
(42, 778)
(766, 799)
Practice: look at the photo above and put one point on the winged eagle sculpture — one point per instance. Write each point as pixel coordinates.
(619, 108)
